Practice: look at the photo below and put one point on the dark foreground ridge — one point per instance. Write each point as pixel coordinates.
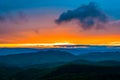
(69, 71)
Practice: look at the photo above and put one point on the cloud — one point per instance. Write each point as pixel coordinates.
(21, 15)
(88, 16)
(2, 18)
(13, 17)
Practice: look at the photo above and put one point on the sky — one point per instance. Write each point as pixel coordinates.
(59, 21)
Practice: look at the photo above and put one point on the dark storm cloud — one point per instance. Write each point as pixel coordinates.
(87, 15)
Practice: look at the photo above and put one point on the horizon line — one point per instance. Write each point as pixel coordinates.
(52, 45)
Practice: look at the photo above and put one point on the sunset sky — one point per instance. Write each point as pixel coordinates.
(59, 21)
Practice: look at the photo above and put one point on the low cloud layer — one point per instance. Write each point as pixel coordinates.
(88, 16)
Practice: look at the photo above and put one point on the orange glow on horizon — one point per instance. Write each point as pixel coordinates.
(34, 45)
(61, 35)
(51, 45)
(43, 31)
(37, 32)
(64, 39)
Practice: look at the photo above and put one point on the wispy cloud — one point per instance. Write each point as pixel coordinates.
(11, 17)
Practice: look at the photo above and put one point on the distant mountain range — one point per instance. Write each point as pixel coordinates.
(60, 65)
(55, 57)
(74, 49)
(101, 56)
(41, 57)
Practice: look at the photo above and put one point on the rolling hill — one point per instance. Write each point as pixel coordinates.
(41, 57)
(101, 56)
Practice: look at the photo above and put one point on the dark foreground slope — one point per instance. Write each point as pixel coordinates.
(83, 72)
(69, 71)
